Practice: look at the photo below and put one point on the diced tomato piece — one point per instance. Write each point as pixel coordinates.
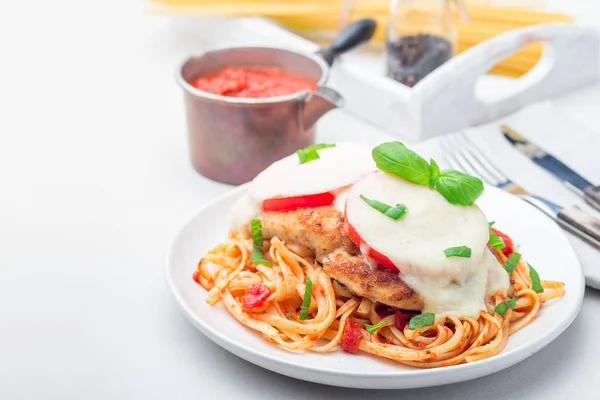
(420, 345)
(255, 296)
(399, 321)
(292, 203)
(196, 276)
(374, 254)
(509, 247)
(351, 337)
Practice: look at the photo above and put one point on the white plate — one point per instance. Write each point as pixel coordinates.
(541, 242)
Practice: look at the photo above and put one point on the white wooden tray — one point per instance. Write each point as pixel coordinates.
(448, 99)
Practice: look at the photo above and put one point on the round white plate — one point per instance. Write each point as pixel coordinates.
(540, 241)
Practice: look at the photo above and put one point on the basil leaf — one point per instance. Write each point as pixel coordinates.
(257, 248)
(256, 228)
(310, 153)
(460, 251)
(374, 328)
(307, 155)
(393, 212)
(504, 306)
(512, 262)
(422, 320)
(305, 301)
(434, 173)
(458, 188)
(322, 146)
(495, 241)
(536, 284)
(395, 158)
(257, 257)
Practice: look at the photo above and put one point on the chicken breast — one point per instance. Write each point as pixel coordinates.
(320, 232)
(381, 285)
(313, 231)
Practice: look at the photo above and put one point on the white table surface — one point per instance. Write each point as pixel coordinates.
(94, 181)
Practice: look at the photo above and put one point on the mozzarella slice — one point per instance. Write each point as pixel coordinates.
(416, 242)
(336, 168)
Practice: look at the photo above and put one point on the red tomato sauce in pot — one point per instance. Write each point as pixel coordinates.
(252, 82)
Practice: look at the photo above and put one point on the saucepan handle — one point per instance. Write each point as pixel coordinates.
(352, 35)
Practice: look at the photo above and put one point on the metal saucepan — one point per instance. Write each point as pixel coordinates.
(232, 139)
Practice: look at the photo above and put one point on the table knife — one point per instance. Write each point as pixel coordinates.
(565, 174)
(572, 218)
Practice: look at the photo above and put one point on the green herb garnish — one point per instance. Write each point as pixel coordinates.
(305, 301)
(288, 314)
(460, 251)
(458, 188)
(495, 241)
(374, 328)
(504, 306)
(395, 158)
(422, 320)
(393, 212)
(257, 247)
(536, 284)
(434, 173)
(310, 153)
(512, 262)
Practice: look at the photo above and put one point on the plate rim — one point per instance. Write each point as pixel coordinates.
(460, 371)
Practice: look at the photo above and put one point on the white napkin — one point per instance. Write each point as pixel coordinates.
(563, 137)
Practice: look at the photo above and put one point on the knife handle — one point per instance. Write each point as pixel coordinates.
(581, 224)
(592, 196)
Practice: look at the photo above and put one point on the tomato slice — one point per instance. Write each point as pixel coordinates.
(374, 254)
(292, 203)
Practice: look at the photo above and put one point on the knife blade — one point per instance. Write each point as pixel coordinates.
(571, 179)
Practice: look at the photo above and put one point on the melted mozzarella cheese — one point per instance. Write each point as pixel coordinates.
(336, 168)
(340, 201)
(242, 212)
(415, 243)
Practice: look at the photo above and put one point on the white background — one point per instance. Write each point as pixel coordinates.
(94, 181)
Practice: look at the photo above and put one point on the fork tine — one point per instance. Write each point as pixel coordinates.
(457, 160)
(475, 153)
(461, 147)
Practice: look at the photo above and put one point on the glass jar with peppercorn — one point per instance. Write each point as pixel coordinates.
(421, 36)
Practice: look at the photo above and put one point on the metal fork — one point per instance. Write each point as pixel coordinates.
(463, 155)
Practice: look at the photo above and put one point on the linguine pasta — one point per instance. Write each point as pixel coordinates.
(227, 273)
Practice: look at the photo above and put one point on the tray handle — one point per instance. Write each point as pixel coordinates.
(570, 59)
